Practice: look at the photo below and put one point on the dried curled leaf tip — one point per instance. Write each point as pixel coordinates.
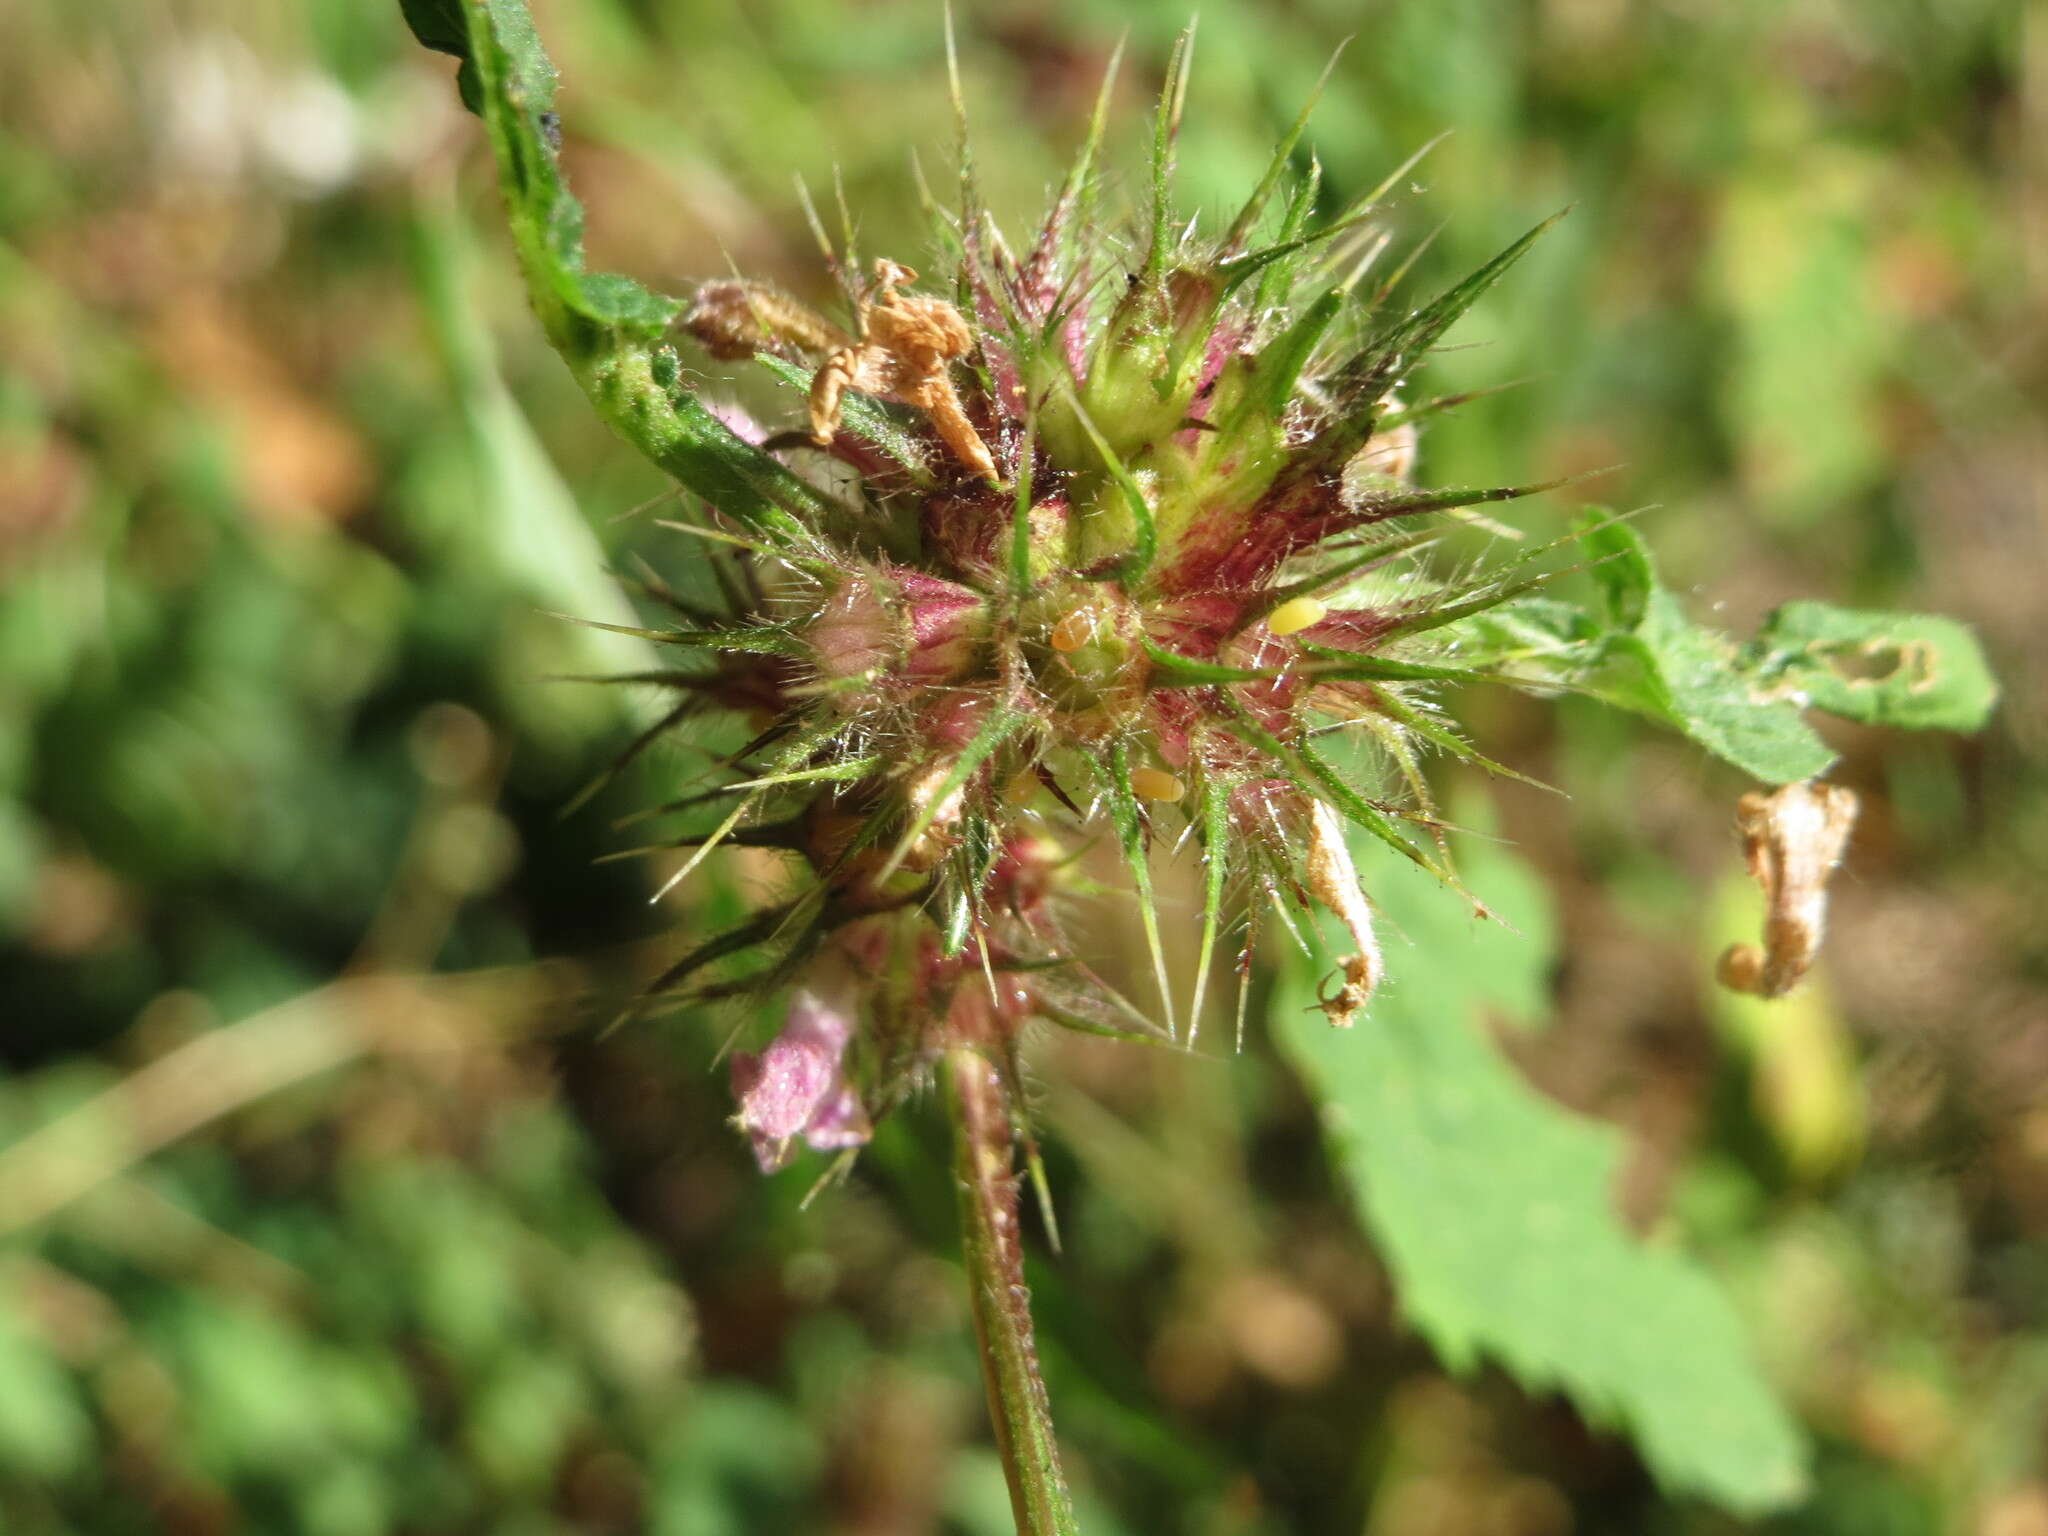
(1333, 881)
(1792, 839)
(906, 343)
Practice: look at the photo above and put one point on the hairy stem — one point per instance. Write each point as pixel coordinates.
(984, 1165)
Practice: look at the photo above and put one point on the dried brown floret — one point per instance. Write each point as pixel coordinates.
(906, 342)
(1333, 881)
(1793, 839)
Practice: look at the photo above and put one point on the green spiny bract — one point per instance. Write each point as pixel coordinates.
(1130, 525)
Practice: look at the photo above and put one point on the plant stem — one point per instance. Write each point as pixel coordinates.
(984, 1166)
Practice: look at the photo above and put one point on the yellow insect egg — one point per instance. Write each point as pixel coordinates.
(1296, 613)
(1156, 784)
(1074, 631)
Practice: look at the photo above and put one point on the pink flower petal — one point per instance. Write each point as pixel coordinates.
(796, 1088)
(840, 1122)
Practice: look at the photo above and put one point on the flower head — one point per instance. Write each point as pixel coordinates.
(1123, 531)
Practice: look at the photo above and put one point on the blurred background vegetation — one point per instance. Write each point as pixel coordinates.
(327, 1202)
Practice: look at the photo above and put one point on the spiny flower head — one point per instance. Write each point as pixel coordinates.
(1111, 529)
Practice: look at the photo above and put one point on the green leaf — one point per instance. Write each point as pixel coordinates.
(1693, 678)
(609, 329)
(508, 81)
(1637, 649)
(1657, 662)
(1915, 671)
(1494, 1207)
(442, 26)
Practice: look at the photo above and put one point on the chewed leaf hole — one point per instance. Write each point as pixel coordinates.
(1910, 663)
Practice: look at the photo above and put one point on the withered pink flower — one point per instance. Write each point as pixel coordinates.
(797, 1087)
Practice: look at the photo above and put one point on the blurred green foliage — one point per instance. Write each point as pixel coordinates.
(354, 1219)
